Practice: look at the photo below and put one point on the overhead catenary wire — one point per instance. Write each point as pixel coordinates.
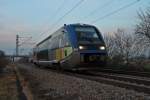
(25, 41)
(98, 8)
(51, 17)
(56, 12)
(114, 12)
(67, 13)
(22, 40)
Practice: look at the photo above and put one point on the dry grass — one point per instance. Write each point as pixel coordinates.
(8, 88)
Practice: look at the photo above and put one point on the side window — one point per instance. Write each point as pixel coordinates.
(54, 43)
(50, 43)
(60, 41)
(57, 42)
(65, 40)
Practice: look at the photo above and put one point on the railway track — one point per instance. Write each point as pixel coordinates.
(120, 77)
(135, 73)
(129, 82)
(137, 83)
(140, 84)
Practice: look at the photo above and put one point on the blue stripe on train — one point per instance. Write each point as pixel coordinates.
(72, 36)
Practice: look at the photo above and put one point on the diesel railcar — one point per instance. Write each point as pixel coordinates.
(73, 47)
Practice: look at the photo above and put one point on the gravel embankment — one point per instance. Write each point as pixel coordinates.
(49, 85)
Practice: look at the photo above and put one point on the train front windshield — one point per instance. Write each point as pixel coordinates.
(87, 35)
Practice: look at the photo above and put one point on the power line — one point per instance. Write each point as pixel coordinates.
(67, 13)
(18, 43)
(98, 8)
(115, 11)
(25, 41)
(28, 42)
(56, 12)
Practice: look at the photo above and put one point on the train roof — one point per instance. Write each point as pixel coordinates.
(79, 24)
(48, 37)
(44, 40)
(76, 24)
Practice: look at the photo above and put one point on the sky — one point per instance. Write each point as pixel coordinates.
(38, 18)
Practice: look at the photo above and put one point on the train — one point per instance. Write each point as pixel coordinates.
(72, 47)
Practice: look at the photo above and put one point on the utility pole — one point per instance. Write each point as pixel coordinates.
(17, 44)
(20, 43)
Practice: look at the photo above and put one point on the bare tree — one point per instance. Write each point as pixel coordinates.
(143, 27)
(122, 46)
(109, 40)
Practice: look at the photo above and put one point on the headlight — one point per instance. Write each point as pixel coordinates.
(81, 47)
(102, 47)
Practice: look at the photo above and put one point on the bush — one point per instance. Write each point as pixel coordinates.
(3, 60)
